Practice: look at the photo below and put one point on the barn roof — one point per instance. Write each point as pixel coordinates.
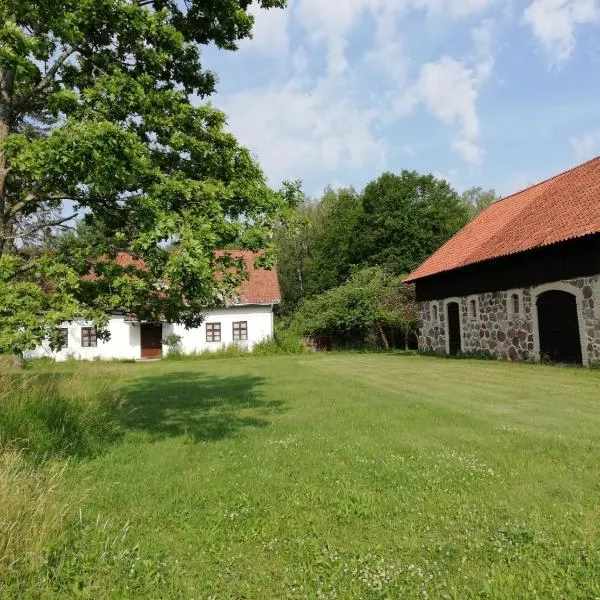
(261, 287)
(564, 207)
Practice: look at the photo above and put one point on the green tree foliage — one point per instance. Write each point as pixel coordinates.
(405, 219)
(314, 250)
(371, 304)
(396, 223)
(96, 120)
(332, 235)
(477, 199)
(293, 242)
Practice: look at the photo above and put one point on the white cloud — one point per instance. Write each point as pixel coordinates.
(449, 89)
(328, 123)
(270, 33)
(587, 146)
(330, 22)
(296, 127)
(387, 55)
(483, 57)
(554, 22)
(456, 8)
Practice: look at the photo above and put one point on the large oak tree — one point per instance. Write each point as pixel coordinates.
(96, 122)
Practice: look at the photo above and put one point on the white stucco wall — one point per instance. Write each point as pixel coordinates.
(125, 341)
(260, 327)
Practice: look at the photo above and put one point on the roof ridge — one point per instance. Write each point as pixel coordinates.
(559, 208)
(547, 180)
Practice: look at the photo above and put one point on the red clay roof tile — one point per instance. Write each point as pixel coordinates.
(564, 207)
(261, 287)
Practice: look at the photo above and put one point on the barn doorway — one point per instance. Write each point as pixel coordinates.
(151, 341)
(558, 324)
(454, 328)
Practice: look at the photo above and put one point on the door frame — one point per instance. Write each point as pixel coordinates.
(559, 286)
(453, 300)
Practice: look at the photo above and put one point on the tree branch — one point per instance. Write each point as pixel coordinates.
(51, 72)
(19, 206)
(31, 198)
(39, 227)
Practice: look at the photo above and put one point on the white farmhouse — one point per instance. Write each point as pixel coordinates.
(245, 323)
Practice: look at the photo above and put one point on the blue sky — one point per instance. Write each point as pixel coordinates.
(496, 93)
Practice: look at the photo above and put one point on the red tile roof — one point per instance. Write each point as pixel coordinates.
(564, 207)
(261, 287)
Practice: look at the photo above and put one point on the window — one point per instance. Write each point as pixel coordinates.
(435, 312)
(213, 332)
(240, 331)
(473, 309)
(514, 303)
(88, 337)
(64, 338)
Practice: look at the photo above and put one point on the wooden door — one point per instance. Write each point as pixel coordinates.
(151, 341)
(454, 328)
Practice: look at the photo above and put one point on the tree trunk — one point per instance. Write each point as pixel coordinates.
(384, 339)
(300, 278)
(7, 79)
(406, 338)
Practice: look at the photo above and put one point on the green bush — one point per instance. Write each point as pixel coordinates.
(48, 415)
(173, 341)
(283, 342)
(230, 351)
(373, 309)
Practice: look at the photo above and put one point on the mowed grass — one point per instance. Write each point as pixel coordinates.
(338, 476)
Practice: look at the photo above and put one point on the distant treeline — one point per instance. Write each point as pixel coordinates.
(342, 259)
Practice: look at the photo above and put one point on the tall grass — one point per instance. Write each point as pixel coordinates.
(49, 415)
(32, 515)
(47, 420)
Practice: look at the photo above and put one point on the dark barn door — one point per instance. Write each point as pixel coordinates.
(151, 341)
(454, 328)
(559, 327)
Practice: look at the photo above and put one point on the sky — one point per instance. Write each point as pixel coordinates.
(493, 93)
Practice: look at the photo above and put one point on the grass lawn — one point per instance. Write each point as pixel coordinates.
(340, 476)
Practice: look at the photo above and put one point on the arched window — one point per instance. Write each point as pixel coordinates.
(435, 312)
(514, 303)
(473, 309)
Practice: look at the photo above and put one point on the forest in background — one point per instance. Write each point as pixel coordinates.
(343, 257)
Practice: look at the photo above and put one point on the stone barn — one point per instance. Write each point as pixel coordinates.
(522, 280)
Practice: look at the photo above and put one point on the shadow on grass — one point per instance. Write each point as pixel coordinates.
(206, 408)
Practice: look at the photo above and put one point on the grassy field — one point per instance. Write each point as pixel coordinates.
(340, 476)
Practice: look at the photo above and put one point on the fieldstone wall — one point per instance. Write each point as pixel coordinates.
(432, 330)
(506, 333)
(590, 316)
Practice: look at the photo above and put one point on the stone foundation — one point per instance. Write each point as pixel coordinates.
(507, 334)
